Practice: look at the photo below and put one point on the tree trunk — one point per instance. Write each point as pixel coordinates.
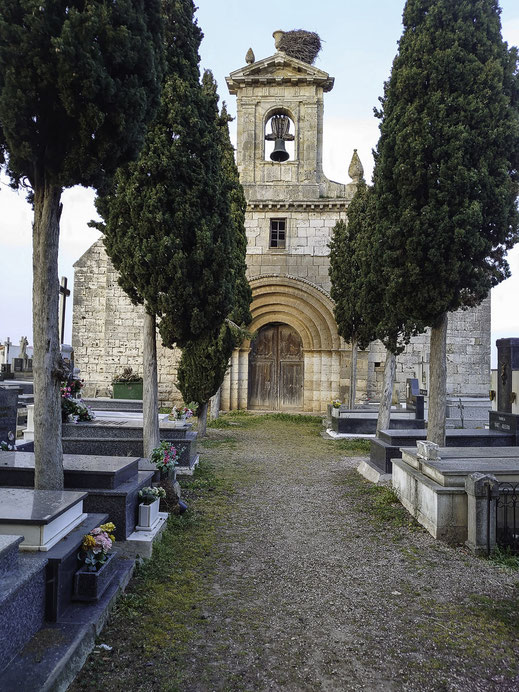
(48, 451)
(150, 398)
(384, 411)
(353, 374)
(202, 420)
(215, 404)
(438, 382)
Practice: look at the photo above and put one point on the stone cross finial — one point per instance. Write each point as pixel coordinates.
(250, 57)
(278, 34)
(356, 169)
(428, 450)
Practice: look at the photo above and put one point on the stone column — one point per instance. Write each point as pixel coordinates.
(235, 376)
(243, 383)
(482, 493)
(225, 403)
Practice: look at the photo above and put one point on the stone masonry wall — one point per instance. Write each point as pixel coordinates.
(107, 330)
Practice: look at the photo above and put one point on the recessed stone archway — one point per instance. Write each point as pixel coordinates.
(308, 310)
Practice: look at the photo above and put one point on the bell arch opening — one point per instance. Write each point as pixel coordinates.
(279, 136)
(276, 369)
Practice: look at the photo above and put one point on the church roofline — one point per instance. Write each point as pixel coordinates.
(258, 73)
(341, 203)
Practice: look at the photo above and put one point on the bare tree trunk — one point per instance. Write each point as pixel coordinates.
(48, 450)
(438, 382)
(353, 374)
(215, 404)
(150, 398)
(384, 411)
(202, 420)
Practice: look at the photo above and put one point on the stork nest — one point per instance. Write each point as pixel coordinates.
(300, 44)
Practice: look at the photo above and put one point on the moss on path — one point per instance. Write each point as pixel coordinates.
(290, 572)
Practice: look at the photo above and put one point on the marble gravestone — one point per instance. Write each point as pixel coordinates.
(506, 418)
(8, 413)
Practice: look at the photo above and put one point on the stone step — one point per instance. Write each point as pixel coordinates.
(105, 404)
(128, 447)
(120, 428)
(80, 470)
(388, 445)
(368, 425)
(22, 598)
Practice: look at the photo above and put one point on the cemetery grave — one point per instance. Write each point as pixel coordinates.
(439, 487)
(122, 436)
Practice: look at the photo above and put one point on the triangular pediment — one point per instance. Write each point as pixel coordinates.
(278, 68)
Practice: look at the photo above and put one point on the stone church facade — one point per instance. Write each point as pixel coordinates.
(297, 361)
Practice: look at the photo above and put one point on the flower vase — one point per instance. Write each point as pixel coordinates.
(90, 586)
(179, 422)
(148, 516)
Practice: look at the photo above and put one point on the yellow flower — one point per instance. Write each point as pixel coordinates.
(89, 542)
(108, 527)
(111, 537)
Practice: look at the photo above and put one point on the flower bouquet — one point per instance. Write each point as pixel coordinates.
(164, 456)
(96, 546)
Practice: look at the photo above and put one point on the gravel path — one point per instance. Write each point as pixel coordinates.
(313, 592)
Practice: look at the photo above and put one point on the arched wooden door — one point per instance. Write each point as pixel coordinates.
(276, 369)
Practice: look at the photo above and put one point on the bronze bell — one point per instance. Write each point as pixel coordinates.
(279, 135)
(280, 153)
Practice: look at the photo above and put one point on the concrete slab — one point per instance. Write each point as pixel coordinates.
(80, 470)
(372, 473)
(42, 517)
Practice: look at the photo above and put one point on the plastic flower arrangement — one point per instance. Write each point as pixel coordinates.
(336, 403)
(148, 495)
(96, 546)
(180, 412)
(8, 446)
(72, 407)
(164, 456)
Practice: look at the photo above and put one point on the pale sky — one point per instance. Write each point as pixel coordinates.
(359, 44)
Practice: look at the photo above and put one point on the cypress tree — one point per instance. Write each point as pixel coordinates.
(167, 218)
(446, 172)
(204, 361)
(350, 279)
(79, 80)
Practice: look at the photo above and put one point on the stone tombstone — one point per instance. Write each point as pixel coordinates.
(18, 364)
(8, 409)
(413, 399)
(507, 362)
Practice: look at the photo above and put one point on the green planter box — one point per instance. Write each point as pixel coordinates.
(127, 390)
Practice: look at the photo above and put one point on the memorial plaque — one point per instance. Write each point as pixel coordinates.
(507, 361)
(8, 411)
(504, 422)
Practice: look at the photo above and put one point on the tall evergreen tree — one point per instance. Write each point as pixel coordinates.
(167, 219)
(350, 278)
(79, 80)
(204, 361)
(446, 171)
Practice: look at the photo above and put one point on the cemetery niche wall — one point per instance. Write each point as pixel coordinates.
(298, 361)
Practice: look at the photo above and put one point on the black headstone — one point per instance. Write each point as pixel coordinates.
(507, 361)
(8, 408)
(18, 364)
(414, 400)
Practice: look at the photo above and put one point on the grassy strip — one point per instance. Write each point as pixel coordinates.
(504, 557)
(246, 419)
(379, 504)
(152, 626)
